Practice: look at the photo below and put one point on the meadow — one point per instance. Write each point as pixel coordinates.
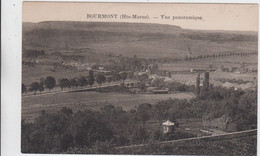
(32, 106)
(234, 61)
(31, 74)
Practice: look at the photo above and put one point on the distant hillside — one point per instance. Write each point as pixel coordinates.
(128, 39)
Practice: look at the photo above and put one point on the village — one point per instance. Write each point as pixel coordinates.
(150, 73)
(109, 88)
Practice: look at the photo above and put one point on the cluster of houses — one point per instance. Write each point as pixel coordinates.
(238, 70)
(79, 66)
(146, 73)
(83, 66)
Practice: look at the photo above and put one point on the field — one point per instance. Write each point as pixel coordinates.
(234, 61)
(32, 106)
(31, 74)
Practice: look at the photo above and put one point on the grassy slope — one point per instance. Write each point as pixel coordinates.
(234, 61)
(90, 100)
(143, 40)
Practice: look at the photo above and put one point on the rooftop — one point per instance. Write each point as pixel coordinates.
(168, 123)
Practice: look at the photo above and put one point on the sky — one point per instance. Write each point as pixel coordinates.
(242, 17)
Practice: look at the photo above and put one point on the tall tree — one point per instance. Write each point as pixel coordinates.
(109, 79)
(136, 64)
(73, 82)
(68, 84)
(143, 112)
(91, 78)
(41, 87)
(171, 113)
(100, 79)
(82, 81)
(142, 86)
(64, 83)
(34, 87)
(116, 77)
(23, 88)
(206, 81)
(123, 76)
(198, 84)
(49, 82)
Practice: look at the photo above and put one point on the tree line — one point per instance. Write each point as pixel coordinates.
(140, 64)
(50, 82)
(198, 57)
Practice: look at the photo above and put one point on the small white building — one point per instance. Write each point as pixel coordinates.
(101, 68)
(168, 126)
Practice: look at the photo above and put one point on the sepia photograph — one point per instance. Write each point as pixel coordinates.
(139, 78)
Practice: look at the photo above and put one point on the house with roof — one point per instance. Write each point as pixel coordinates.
(168, 126)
